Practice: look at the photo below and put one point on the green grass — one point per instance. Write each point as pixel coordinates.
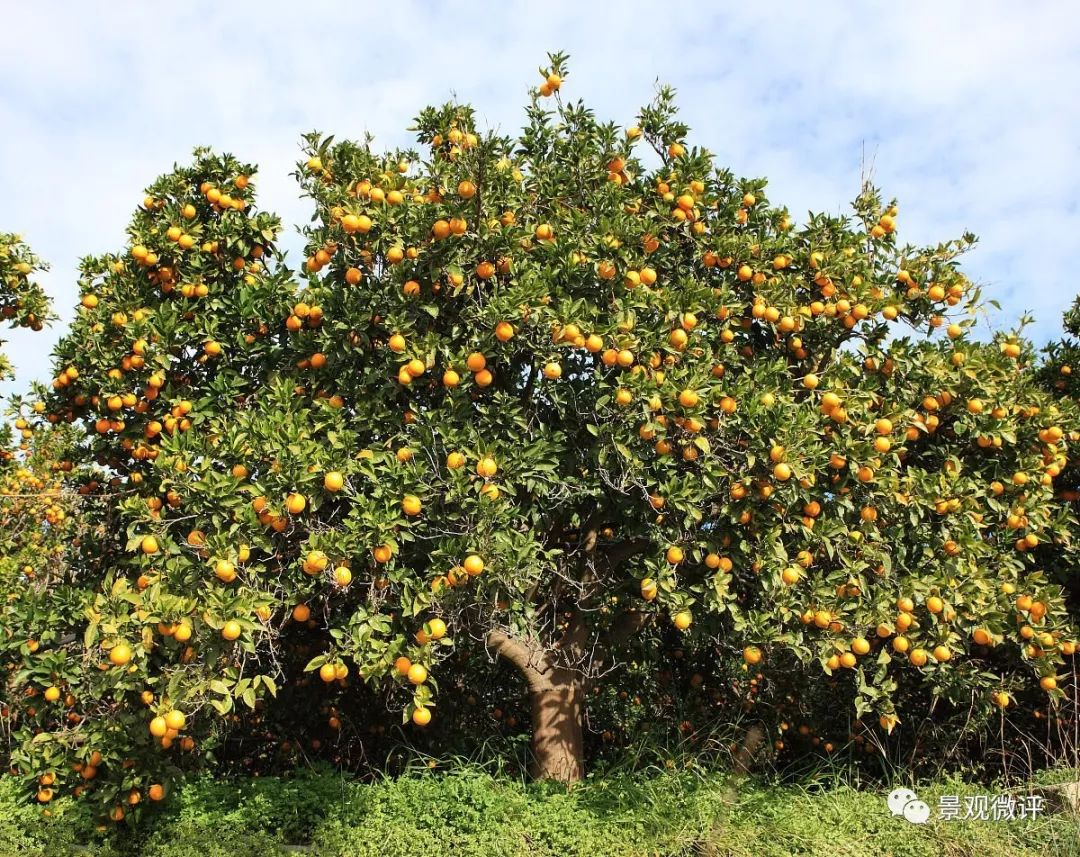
(466, 812)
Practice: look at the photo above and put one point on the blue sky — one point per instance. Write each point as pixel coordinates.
(966, 111)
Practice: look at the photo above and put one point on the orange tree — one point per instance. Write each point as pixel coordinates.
(537, 397)
(35, 509)
(29, 469)
(1059, 373)
(22, 301)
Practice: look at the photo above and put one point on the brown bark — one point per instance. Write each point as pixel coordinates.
(744, 757)
(557, 743)
(555, 698)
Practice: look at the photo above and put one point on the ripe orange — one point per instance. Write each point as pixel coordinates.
(476, 361)
(417, 674)
(333, 481)
(411, 505)
(486, 467)
(301, 613)
(382, 554)
(295, 503)
(421, 716)
(683, 619)
(752, 655)
(231, 630)
(120, 654)
(436, 629)
(473, 565)
(158, 727)
(504, 331)
(175, 719)
(674, 555)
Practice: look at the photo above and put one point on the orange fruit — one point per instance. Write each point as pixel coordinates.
(417, 674)
(295, 503)
(120, 654)
(175, 719)
(473, 565)
(382, 554)
(476, 361)
(436, 629)
(504, 331)
(421, 716)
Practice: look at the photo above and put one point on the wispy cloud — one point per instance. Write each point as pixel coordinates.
(966, 111)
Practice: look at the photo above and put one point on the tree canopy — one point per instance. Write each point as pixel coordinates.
(532, 397)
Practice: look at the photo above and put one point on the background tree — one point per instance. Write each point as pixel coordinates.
(536, 399)
(22, 301)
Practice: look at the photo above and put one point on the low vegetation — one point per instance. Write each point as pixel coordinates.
(689, 812)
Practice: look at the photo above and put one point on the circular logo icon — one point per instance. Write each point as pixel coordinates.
(917, 811)
(899, 798)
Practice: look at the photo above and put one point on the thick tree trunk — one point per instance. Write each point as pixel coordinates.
(558, 752)
(556, 695)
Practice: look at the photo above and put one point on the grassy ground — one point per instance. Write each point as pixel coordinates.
(472, 814)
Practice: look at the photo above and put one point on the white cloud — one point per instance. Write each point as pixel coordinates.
(966, 110)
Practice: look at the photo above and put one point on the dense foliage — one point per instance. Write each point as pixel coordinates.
(470, 812)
